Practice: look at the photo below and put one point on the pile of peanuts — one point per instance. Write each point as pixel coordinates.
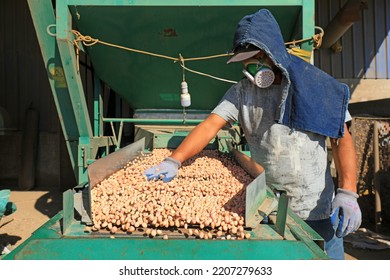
(205, 200)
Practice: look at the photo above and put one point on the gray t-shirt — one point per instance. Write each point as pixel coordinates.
(295, 159)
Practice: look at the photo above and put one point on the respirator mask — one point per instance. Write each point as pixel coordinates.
(259, 72)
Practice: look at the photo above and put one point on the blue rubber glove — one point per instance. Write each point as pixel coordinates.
(166, 170)
(346, 212)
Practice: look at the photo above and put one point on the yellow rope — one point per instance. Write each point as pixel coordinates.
(89, 41)
(208, 75)
(317, 39)
(182, 65)
(304, 54)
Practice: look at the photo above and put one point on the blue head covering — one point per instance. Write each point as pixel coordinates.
(313, 100)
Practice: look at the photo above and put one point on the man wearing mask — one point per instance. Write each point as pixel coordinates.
(287, 108)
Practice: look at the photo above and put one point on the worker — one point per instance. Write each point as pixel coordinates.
(287, 108)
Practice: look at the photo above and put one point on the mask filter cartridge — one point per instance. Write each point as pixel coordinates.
(259, 73)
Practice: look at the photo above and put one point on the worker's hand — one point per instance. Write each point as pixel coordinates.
(346, 212)
(167, 170)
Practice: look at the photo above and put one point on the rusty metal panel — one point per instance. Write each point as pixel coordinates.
(363, 135)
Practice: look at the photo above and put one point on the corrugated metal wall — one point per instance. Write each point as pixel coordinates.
(23, 85)
(23, 80)
(365, 46)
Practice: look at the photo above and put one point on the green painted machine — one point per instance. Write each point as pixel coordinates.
(6, 208)
(143, 51)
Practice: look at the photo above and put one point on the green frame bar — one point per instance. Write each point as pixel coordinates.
(42, 14)
(308, 26)
(75, 87)
(49, 243)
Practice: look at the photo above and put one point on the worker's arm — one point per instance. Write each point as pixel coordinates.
(195, 142)
(346, 212)
(199, 137)
(344, 156)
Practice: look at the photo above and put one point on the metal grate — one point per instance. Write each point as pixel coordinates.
(364, 135)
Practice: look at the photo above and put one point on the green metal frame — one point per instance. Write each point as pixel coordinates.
(65, 82)
(284, 237)
(65, 238)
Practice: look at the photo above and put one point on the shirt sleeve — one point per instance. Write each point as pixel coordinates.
(228, 107)
(347, 116)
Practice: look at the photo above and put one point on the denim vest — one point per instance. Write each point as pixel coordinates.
(312, 100)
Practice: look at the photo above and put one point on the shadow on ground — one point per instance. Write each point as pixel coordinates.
(369, 243)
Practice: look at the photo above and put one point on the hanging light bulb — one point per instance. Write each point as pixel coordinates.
(185, 97)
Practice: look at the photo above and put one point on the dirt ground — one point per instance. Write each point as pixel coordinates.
(37, 206)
